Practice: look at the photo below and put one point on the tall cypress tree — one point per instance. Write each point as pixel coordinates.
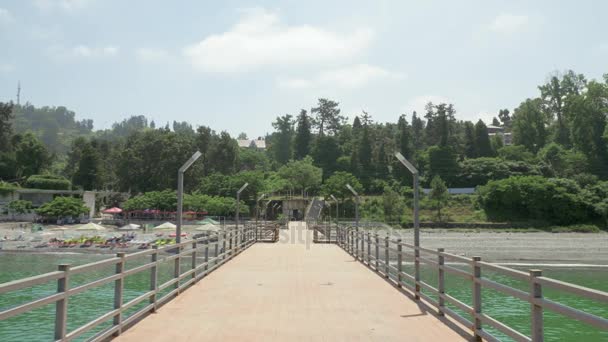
(470, 149)
(482, 140)
(404, 138)
(281, 142)
(303, 136)
(417, 132)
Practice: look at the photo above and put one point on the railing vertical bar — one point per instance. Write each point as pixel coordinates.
(476, 297)
(61, 306)
(399, 261)
(194, 260)
(154, 278)
(441, 282)
(377, 256)
(536, 292)
(118, 292)
(206, 253)
(177, 269)
(369, 248)
(386, 256)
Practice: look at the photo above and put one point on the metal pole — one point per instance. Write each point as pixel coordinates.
(416, 236)
(180, 204)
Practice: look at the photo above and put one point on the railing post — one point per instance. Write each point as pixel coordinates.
(315, 234)
(230, 242)
(194, 259)
(224, 251)
(441, 281)
(154, 277)
(61, 306)
(476, 297)
(377, 256)
(363, 247)
(177, 267)
(536, 292)
(357, 238)
(216, 249)
(416, 273)
(369, 248)
(399, 261)
(118, 290)
(206, 253)
(386, 256)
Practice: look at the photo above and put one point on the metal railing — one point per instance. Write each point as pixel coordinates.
(224, 245)
(365, 246)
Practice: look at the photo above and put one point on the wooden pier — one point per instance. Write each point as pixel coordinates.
(293, 291)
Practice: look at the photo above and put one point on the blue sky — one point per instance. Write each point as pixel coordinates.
(236, 65)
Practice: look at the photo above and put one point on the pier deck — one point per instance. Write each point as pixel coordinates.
(293, 290)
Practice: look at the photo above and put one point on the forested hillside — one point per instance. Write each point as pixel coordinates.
(560, 136)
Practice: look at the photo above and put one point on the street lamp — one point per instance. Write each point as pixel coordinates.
(180, 193)
(414, 172)
(257, 207)
(238, 203)
(238, 206)
(337, 211)
(356, 205)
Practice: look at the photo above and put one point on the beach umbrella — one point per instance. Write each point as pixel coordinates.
(208, 227)
(207, 221)
(130, 226)
(166, 226)
(91, 226)
(114, 210)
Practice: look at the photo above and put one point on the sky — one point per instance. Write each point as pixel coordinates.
(237, 65)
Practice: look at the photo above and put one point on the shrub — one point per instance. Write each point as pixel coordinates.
(63, 207)
(558, 201)
(20, 206)
(47, 182)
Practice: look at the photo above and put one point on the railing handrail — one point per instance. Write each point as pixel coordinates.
(350, 238)
(233, 242)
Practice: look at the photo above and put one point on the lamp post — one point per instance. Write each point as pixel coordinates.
(414, 172)
(238, 206)
(337, 211)
(356, 205)
(257, 207)
(180, 193)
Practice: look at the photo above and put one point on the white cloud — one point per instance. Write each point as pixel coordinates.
(83, 52)
(509, 23)
(350, 77)
(87, 51)
(5, 16)
(66, 5)
(151, 55)
(259, 39)
(5, 68)
(418, 103)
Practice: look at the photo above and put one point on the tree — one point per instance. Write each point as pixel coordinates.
(47, 182)
(529, 125)
(325, 154)
(482, 140)
(61, 207)
(281, 142)
(555, 95)
(470, 147)
(336, 185)
(32, 157)
(404, 138)
(417, 132)
(439, 194)
(442, 163)
(224, 155)
(302, 174)
(392, 204)
(303, 139)
(495, 122)
(6, 129)
(505, 117)
(327, 117)
(88, 175)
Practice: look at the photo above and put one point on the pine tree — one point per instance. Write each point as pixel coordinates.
(482, 140)
(404, 137)
(303, 136)
(281, 142)
(470, 148)
(417, 132)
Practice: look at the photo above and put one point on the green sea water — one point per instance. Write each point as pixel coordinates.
(37, 325)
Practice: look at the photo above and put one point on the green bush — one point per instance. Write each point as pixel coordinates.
(47, 182)
(555, 200)
(63, 207)
(577, 228)
(20, 206)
